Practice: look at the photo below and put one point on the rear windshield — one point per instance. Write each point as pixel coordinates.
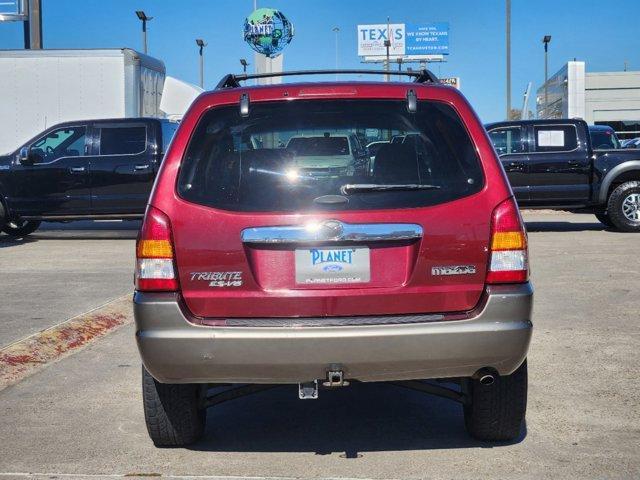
(295, 157)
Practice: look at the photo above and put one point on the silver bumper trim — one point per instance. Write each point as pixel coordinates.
(175, 350)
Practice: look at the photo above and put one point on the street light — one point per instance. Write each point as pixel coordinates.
(143, 17)
(201, 44)
(546, 40)
(244, 64)
(336, 30)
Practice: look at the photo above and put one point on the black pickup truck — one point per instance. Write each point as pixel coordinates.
(568, 165)
(94, 169)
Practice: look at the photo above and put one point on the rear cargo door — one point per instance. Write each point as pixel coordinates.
(258, 236)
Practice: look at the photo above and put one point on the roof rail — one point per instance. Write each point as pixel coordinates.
(233, 80)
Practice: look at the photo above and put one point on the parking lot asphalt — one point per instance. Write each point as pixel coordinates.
(60, 271)
(83, 416)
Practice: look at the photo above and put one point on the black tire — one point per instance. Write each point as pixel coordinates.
(172, 412)
(20, 228)
(604, 219)
(497, 411)
(615, 207)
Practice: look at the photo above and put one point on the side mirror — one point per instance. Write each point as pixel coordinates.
(24, 156)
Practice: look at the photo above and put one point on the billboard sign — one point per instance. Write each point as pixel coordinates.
(406, 39)
(371, 39)
(427, 39)
(13, 10)
(451, 81)
(268, 31)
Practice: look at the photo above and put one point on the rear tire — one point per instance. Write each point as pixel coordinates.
(604, 219)
(623, 207)
(20, 228)
(172, 412)
(497, 411)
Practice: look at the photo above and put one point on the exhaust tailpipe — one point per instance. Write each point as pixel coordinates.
(485, 377)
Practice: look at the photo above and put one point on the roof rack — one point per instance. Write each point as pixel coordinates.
(233, 80)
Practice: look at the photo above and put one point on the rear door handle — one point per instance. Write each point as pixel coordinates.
(573, 163)
(77, 169)
(141, 167)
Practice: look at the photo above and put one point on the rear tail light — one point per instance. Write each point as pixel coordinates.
(155, 266)
(509, 261)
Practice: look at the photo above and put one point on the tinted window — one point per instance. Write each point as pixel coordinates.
(122, 140)
(555, 138)
(237, 163)
(508, 140)
(604, 139)
(64, 142)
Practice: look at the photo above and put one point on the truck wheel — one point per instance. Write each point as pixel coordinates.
(496, 411)
(20, 228)
(624, 207)
(172, 412)
(604, 219)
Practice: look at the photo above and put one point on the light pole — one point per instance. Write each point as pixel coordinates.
(201, 45)
(387, 44)
(546, 40)
(508, 29)
(143, 17)
(336, 30)
(244, 64)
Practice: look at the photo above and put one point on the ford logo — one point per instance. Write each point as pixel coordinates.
(332, 268)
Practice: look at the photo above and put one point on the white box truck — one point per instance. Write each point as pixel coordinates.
(40, 88)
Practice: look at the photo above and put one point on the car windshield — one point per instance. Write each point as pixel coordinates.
(322, 146)
(298, 156)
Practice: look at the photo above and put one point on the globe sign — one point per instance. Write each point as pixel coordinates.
(267, 31)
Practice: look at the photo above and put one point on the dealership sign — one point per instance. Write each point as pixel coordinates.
(268, 31)
(405, 39)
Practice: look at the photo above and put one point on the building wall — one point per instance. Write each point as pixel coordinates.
(612, 96)
(604, 98)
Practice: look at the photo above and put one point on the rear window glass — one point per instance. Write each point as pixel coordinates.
(555, 138)
(295, 156)
(604, 140)
(122, 140)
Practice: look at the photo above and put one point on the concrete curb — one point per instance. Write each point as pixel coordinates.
(25, 357)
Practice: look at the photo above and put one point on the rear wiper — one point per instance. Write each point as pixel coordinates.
(374, 187)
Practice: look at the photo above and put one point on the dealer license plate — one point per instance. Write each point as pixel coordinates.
(332, 265)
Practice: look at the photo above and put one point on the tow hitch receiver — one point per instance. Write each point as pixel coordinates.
(335, 378)
(308, 390)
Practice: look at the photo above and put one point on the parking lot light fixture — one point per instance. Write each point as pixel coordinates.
(201, 44)
(244, 64)
(144, 19)
(546, 39)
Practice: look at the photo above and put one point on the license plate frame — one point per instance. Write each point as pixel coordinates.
(326, 266)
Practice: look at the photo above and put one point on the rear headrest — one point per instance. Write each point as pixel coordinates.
(396, 163)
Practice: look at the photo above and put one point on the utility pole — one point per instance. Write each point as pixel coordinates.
(508, 58)
(33, 25)
(387, 44)
(336, 30)
(201, 45)
(546, 39)
(144, 19)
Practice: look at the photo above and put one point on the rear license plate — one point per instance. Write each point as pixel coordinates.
(332, 265)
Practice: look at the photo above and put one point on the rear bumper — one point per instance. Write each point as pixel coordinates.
(175, 350)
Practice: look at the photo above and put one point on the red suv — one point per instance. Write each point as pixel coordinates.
(262, 261)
